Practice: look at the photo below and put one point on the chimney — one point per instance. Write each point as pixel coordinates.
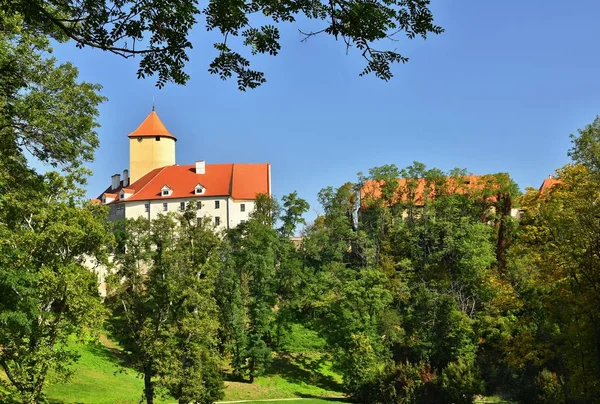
(200, 167)
(116, 181)
(125, 178)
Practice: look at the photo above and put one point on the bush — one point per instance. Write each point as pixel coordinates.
(460, 382)
(548, 388)
(406, 383)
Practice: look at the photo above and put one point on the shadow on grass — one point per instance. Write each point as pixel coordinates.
(300, 368)
(332, 399)
(230, 377)
(112, 355)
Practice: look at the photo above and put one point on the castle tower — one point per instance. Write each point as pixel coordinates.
(150, 146)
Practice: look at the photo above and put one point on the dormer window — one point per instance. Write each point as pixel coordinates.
(166, 191)
(126, 193)
(108, 198)
(199, 189)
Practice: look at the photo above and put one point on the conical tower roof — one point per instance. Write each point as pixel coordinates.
(151, 127)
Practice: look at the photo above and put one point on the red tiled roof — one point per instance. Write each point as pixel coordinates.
(372, 188)
(243, 183)
(548, 183)
(152, 126)
(240, 181)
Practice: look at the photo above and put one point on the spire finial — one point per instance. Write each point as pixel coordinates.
(152, 103)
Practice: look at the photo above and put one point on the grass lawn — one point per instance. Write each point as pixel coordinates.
(290, 375)
(300, 401)
(99, 377)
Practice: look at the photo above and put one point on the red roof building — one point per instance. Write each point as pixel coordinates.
(421, 189)
(224, 192)
(548, 184)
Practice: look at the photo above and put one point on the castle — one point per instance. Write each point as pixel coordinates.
(154, 184)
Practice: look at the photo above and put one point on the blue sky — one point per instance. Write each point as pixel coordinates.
(499, 91)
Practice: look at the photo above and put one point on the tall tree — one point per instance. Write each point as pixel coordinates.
(190, 367)
(47, 292)
(160, 32)
(46, 230)
(256, 282)
(163, 300)
(256, 259)
(553, 353)
(129, 298)
(401, 282)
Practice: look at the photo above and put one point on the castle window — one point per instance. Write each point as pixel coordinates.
(243, 207)
(217, 204)
(157, 138)
(217, 220)
(147, 207)
(166, 191)
(198, 205)
(165, 207)
(182, 206)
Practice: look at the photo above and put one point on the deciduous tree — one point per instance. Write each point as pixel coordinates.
(160, 33)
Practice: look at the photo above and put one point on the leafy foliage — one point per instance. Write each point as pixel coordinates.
(164, 305)
(47, 232)
(159, 32)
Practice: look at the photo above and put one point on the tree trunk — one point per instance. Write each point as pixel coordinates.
(502, 235)
(148, 386)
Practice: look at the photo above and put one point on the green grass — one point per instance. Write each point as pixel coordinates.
(290, 375)
(303, 401)
(301, 339)
(100, 377)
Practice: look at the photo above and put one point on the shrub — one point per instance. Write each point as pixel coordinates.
(405, 383)
(460, 382)
(548, 388)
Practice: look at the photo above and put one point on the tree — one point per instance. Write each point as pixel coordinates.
(129, 298)
(44, 111)
(190, 367)
(164, 306)
(47, 292)
(400, 282)
(159, 33)
(256, 283)
(294, 207)
(47, 231)
(255, 249)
